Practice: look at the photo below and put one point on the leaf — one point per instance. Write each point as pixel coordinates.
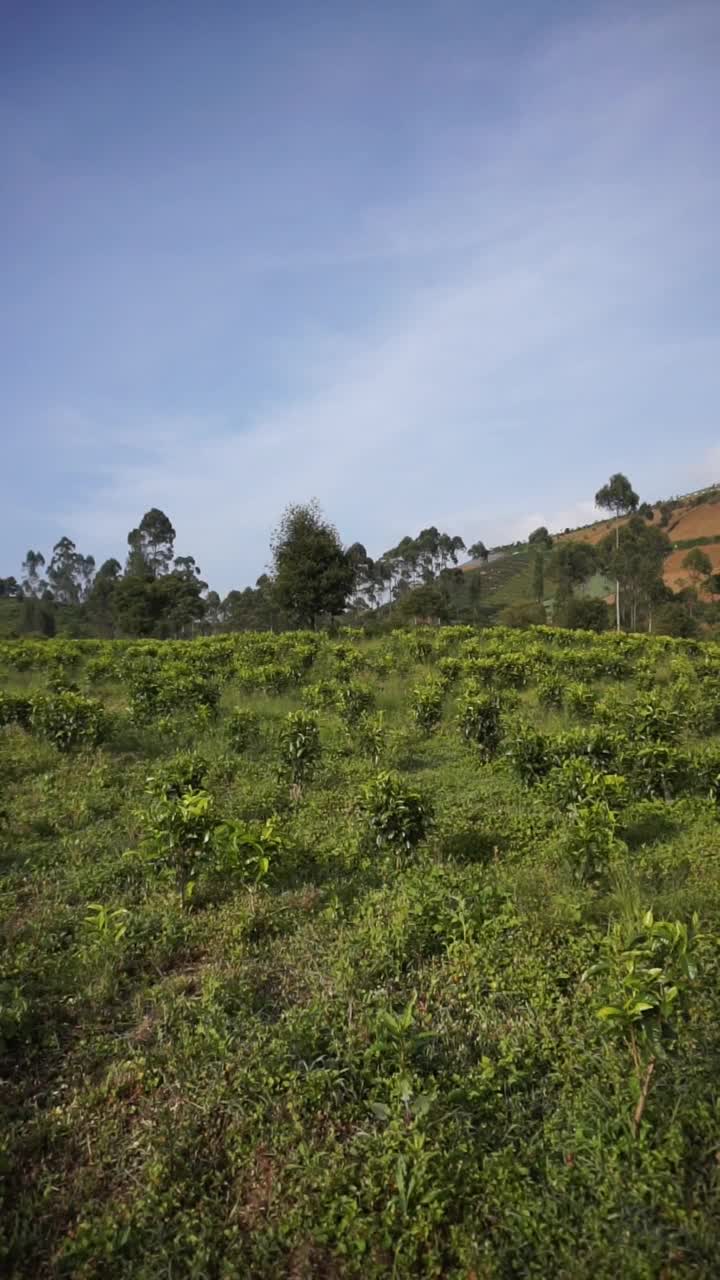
(610, 1011)
(380, 1110)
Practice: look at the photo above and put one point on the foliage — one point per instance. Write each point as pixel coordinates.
(522, 615)
(590, 844)
(68, 719)
(426, 704)
(675, 619)
(370, 735)
(581, 613)
(312, 574)
(353, 700)
(650, 971)
(242, 728)
(478, 717)
(247, 1029)
(300, 746)
(178, 831)
(397, 815)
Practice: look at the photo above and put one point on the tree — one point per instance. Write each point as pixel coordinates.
(573, 562)
(179, 598)
(698, 565)
(540, 538)
(135, 606)
(32, 583)
(426, 603)
(151, 545)
(70, 574)
(522, 615)
(101, 597)
(213, 610)
(10, 587)
(582, 614)
(478, 551)
(538, 575)
(619, 497)
(634, 556)
(37, 618)
(675, 619)
(365, 582)
(312, 573)
(646, 511)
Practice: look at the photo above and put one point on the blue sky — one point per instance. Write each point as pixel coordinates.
(433, 263)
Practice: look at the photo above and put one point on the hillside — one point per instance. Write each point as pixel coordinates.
(694, 520)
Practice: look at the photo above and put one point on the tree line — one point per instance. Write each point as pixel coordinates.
(314, 578)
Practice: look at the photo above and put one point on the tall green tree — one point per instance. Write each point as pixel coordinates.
(538, 575)
(698, 566)
(37, 617)
(313, 575)
(151, 545)
(573, 563)
(70, 574)
(32, 582)
(101, 597)
(634, 556)
(541, 539)
(619, 497)
(478, 551)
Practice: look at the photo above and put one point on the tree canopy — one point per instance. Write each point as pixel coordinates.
(312, 574)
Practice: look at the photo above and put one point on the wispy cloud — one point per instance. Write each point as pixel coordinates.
(519, 326)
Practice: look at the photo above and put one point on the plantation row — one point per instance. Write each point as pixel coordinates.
(326, 956)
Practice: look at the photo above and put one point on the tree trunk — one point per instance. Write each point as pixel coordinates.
(617, 584)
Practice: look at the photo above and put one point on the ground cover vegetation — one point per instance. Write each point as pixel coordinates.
(329, 956)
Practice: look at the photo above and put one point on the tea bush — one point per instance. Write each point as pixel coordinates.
(398, 816)
(68, 719)
(479, 721)
(426, 705)
(270, 1006)
(242, 728)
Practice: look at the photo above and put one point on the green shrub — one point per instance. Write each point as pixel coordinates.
(242, 728)
(577, 781)
(185, 771)
(550, 690)
(583, 613)
(15, 708)
(426, 703)
(352, 701)
(320, 696)
(398, 816)
(370, 735)
(658, 769)
(68, 719)
(529, 752)
(579, 699)
(650, 970)
(299, 746)
(164, 688)
(178, 833)
(590, 843)
(479, 721)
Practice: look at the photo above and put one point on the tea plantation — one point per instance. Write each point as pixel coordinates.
(326, 957)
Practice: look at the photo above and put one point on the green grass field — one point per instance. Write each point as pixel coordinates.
(269, 1008)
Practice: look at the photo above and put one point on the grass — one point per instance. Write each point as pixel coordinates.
(375, 1062)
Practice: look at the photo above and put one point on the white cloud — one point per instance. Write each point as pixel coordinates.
(507, 378)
